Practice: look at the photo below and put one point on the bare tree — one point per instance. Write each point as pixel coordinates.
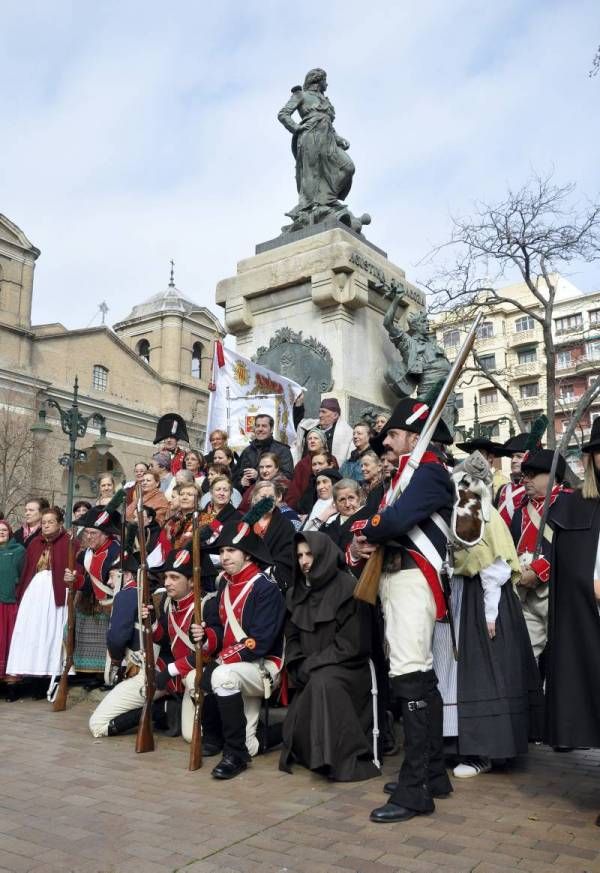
(535, 232)
(16, 456)
(595, 65)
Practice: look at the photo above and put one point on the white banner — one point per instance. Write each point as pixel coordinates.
(240, 391)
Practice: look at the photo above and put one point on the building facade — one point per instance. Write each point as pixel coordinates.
(156, 360)
(510, 345)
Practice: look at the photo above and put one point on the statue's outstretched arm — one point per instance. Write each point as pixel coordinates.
(389, 317)
(285, 115)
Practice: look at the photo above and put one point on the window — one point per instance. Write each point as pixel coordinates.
(527, 356)
(525, 322)
(459, 401)
(485, 330)
(530, 389)
(487, 396)
(564, 359)
(197, 361)
(490, 429)
(451, 338)
(143, 350)
(592, 350)
(487, 362)
(100, 378)
(566, 392)
(594, 316)
(569, 323)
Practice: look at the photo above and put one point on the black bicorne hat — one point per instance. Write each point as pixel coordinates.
(517, 443)
(101, 518)
(412, 414)
(130, 562)
(541, 462)
(496, 449)
(594, 442)
(239, 535)
(178, 561)
(171, 425)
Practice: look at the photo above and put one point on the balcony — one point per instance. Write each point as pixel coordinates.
(521, 337)
(532, 368)
(587, 364)
(536, 402)
(489, 409)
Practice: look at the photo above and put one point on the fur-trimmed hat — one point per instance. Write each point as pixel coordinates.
(411, 415)
(171, 425)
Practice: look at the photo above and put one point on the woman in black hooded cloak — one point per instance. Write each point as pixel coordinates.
(329, 724)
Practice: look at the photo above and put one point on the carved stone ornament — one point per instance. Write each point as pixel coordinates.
(303, 359)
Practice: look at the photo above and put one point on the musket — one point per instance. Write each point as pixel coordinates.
(446, 576)
(60, 701)
(546, 505)
(196, 744)
(145, 737)
(368, 584)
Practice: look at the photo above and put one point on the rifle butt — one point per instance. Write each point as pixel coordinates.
(196, 744)
(367, 587)
(144, 741)
(59, 704)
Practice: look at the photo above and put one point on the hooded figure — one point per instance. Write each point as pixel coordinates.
(329, 722)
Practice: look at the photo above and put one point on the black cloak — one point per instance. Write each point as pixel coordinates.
(573, 648)
(279, 540)
(330, 719)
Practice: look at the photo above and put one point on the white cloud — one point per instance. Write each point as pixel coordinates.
(133, 133)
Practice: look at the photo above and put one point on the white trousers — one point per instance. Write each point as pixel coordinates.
(409, 615)
(230, 679)
(127, 695)
(534, 603)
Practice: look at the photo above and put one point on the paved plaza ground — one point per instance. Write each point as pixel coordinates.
(71, 803)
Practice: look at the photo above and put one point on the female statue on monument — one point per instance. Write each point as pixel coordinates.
(324, 170)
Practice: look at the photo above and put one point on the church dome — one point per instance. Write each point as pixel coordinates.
(169, 300)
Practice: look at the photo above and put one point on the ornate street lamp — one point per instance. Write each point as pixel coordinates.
(74, 425)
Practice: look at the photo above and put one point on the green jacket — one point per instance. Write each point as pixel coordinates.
(12, 558)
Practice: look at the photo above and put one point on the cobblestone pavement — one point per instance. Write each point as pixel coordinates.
(71, 803)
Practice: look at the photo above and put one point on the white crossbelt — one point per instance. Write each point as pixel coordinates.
(236, 628)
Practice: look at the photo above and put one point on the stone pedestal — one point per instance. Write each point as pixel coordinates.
(329, 287)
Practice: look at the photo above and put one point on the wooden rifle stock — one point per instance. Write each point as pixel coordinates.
(196, 744)
(60, 701)
(367, 586)
(145, 737)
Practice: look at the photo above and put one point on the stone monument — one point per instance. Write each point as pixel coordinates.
(310, 304)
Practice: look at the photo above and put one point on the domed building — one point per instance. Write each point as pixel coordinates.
(156, 360)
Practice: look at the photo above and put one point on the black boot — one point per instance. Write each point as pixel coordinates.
(212, 729)
(437, 775)
(124, 722)
(166, 715)
(233, 720)
(412, 795)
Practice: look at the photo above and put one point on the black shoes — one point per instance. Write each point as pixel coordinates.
(229, 766)
(391, 812)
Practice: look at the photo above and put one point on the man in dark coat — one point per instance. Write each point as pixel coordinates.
(247, 468)
(328, 727)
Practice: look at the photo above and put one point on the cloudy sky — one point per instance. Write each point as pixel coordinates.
(135, 131)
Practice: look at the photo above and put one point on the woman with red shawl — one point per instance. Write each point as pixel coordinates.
(36, 645)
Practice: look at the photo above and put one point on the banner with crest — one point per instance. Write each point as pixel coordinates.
(241, 390)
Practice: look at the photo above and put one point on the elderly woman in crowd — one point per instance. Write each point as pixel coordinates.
(219, 508)
(321, 460)
(372, 479)
(352, 468)
(316, 443)
(36, 645)
(348, 498)
(328, 727)
(323, 508)
(12, 558)
(32, 521)
(161, 465)
(151, 496)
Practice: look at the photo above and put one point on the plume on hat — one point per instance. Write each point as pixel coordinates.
(256, 512)
(116, 500)
(538, 429)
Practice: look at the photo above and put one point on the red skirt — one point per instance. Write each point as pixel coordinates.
(8, 617)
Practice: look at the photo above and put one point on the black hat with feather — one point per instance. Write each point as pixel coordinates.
(240, 534)
(411, 414)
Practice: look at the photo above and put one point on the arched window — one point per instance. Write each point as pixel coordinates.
(197, 361)
(143, 350)
(100, 378)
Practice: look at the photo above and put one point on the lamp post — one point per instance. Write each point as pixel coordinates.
(74, 425)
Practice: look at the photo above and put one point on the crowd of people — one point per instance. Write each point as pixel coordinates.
(480, 640)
